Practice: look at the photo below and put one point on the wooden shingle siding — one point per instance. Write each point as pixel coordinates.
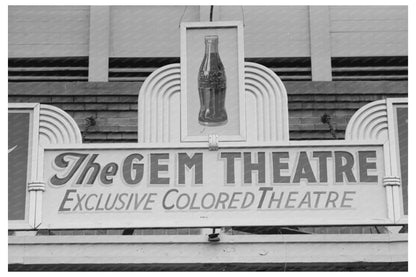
(48, 69)
(368, 31)
(138, 69)
(385, 68)
(48, 31)
(114, 105)
(308, 101)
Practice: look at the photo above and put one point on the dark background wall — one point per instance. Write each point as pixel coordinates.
(113, 105)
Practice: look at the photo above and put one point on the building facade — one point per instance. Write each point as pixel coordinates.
(91, 61)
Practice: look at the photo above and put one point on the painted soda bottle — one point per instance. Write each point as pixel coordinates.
(212, 86)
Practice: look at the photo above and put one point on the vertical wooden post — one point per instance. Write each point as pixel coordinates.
(99, 44)
(320, 43)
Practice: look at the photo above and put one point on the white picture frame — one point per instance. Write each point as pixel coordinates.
(231, 33)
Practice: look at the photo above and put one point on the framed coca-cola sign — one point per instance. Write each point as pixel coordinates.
(212, 81)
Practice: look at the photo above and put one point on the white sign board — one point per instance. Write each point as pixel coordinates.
(189, 187)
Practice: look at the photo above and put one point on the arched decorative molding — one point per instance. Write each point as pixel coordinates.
(57, 127)
(156, 106)
(270, 107)
(369, 123)
(159, 118)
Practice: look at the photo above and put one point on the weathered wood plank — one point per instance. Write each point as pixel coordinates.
(369, 25)
(195, 249)
(48, 38)
(369, 44)
(368, 12)
(58, 26)
(48, 50)
(48, 31)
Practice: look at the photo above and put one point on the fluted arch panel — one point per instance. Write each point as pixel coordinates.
(369, 123)
(159, 105)
(57, 127)
(271, 106)
(156, 107)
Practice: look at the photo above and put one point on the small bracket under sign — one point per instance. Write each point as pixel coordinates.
(213, 142)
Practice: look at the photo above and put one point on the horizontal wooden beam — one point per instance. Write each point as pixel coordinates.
(193, 249)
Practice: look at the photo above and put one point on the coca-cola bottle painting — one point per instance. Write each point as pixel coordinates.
(212, 86)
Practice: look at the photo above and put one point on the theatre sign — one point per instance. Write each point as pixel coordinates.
(214, 150)
(231, 186)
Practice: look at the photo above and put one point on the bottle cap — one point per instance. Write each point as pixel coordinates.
(211, 38)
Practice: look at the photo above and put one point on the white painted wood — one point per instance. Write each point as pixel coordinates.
(369, 123)
(320, 43)
(14, 106)
(99, 43)
(32, 208)
(394, 229)
(196, 249)
(368, 30)
(39, 194)
(45, 28)
(369, 25)
(46, 38)
(268, 105)
(375, 121)
(148, 31)
(48, 12)
(200, 238)
(378, 215)
(48, 125)
(169, 145)
(394, 157)
(57, 127)
(369, 44)
(368, 12)
(159, 115)
(389, 189)
(204, 13)
(48, 31)
(33, 163)
(272, 31)
(232, 13)
(49, 50)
